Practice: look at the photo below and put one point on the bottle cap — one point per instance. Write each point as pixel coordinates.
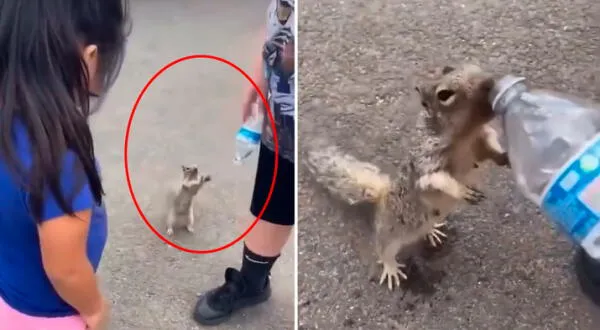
(501, 87)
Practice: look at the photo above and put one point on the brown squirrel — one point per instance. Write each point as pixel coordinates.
(180, 201)
(435, 177)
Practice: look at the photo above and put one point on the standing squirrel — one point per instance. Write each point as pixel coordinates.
(180, 201)
(435, 177)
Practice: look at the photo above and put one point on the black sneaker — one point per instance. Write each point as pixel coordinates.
(588, 275)
(217, 305)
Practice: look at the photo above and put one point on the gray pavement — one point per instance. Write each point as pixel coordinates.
(503, 266)
(189, 115)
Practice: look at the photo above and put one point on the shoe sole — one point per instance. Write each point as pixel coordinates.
(241, 305)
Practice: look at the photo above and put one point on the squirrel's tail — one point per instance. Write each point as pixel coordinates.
(347, 178)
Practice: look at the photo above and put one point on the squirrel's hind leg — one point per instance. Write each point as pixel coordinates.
(392, 269)
(170, 221)
(190, 224)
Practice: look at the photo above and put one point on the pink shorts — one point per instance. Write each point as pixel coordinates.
(11, 319)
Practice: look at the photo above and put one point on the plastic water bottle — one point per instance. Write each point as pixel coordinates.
(248, 136)
(553, 143)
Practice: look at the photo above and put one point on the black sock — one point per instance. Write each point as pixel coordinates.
(256, 269)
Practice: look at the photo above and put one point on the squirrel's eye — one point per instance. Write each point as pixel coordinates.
(447, 69)
(445, 95)
(424, 104)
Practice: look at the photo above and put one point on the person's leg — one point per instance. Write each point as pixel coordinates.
(262, 246)
(13, 319)
(268, 239)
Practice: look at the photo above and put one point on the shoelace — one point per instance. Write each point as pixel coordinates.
(227, 293)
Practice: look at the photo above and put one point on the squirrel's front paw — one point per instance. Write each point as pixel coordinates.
(473, 196)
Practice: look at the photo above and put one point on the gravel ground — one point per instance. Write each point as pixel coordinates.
(503, 266)
(188, 115)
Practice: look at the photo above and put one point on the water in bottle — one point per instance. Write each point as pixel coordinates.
(553, 143)
(248, 136)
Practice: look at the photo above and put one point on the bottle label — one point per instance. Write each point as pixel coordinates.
(248, 135)
(572, 199)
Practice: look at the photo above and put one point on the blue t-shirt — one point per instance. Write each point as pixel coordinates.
(23, 281)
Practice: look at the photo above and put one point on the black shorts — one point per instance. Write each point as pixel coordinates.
(281, 206)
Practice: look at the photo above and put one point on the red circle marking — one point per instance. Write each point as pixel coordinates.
(126, 149)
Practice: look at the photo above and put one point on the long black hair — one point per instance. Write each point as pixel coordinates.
(44, 86)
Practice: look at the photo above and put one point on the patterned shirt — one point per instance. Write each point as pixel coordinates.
(281, 94)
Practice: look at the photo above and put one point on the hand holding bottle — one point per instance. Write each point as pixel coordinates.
(248, 136)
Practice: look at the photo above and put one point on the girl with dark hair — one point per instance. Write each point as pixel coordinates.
(55, 55)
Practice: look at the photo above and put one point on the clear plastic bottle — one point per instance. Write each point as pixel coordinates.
(248, 136)
(553, 144)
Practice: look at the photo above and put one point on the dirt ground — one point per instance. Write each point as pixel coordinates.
(503, 266)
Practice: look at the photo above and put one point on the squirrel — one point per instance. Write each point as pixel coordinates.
(180, 201)
(436, 176)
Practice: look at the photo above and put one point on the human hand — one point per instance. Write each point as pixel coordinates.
(98, 320)
(287, 57)
(247, 108)
(255, 108)
(273, 49)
